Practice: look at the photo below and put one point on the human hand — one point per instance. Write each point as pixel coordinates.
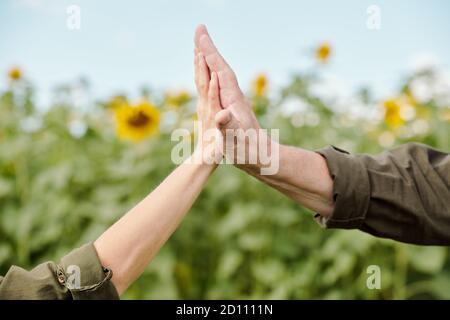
(300, 174)
(237, 115)
(207, 108)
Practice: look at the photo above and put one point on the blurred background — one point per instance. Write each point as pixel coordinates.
(91, 91)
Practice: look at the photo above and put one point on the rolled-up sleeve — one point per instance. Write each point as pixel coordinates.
(79, 275)
(401, 194)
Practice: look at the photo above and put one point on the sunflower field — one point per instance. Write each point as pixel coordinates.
(68, 172)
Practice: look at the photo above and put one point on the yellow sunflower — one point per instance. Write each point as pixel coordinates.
(392, 113)
(323, 52)
(137, 122)
(178, 99)
(15, 74)
(260, 85)
(399, 110)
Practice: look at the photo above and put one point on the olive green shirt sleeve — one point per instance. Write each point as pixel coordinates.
(401, 194)
(79, 275)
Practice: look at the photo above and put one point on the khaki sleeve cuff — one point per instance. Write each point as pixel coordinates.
(351, 189)
(82, 274)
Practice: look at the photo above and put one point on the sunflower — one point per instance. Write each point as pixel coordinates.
(323, 52)
(15, 74)
(137, 122)
(178, 99)
(392, 115)
(260, 85)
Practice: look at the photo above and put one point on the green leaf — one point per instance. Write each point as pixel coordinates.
(427, 259)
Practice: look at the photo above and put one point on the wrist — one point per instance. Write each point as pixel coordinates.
(268, 158)
(203, 159)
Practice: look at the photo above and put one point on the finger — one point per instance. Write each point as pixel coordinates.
(227, 79)
(229, 93)
(199, 31)
(222, 118)
(217, 63)
(229, 87)
(204, 43)
(213, 93)
(203, 76)
(196, 72)
(207, 47)
(225, 120)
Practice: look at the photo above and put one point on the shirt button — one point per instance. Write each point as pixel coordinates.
(61, 277)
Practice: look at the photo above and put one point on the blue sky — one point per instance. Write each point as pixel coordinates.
(123, 45)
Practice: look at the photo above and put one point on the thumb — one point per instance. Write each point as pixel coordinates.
(225, 120)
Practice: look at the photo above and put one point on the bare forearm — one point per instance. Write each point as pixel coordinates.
(131, 243)
(303, 176)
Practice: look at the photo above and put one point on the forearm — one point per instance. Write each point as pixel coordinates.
(131, 243)
(303, 176)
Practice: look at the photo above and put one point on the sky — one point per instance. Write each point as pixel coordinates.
(124, 45)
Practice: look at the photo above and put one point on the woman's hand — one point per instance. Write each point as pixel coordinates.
(131, 243)
(208, 148)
